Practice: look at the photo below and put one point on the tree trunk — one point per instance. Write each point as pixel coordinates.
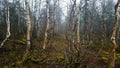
(8, 27)
(47, 25)
(118, 33)
(78, 29)
(28, 26)
(114, 45)
(38, 30)
(55, 19)
(39, 21)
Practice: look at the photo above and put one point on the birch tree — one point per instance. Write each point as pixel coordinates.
(113, 37)
(8, 27)
(39, 20)
(55, 17)
(47, 25)
(78, 28)
(85, 8)
(28, 22)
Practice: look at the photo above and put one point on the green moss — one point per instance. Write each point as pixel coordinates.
(33, 59)
(12, 55)
(60, 59)
(118, 56)
(35, 51)
(105, 59)
(105, 52)
(5, 67)
(25, 57)
(21, 41)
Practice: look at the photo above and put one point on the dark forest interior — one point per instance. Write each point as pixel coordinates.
(59, 34)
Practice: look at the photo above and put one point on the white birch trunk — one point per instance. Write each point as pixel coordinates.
(78, 29)
(47, 25)
(8, 27)
(28, 26)
(113, 37)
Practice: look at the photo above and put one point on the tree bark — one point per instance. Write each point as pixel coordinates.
(28, 26)
(78, 29)
(8, 27)
(113, 37)
(55, 18)
(47, 25)
(39, 21)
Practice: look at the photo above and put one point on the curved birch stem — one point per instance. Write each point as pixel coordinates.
(113, 37)
(8, 28)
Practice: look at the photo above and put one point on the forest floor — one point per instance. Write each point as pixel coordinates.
(57, 54)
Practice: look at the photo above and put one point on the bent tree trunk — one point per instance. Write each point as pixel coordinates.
(8, 27)
(114, 45)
